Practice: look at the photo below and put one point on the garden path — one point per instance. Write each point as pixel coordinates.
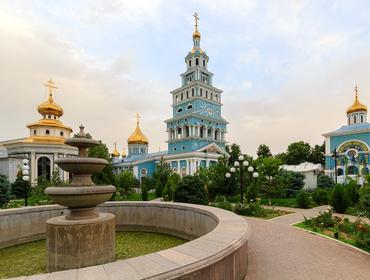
(278, 251)
(299, 214)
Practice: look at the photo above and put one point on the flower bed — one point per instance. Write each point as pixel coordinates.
(354, 233)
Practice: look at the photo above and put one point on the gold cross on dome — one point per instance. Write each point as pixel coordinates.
(137, 118)
(50, 85)
(196, 17)
(356, 90)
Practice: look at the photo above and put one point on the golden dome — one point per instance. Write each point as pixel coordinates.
(196, 34)
(356, 106)
(123, 154)
(137, 137)
(115, 152)
(49, 107)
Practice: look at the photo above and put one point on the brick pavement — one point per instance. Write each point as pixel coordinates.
(278, 251)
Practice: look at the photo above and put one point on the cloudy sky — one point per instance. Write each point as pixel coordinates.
(287, 68)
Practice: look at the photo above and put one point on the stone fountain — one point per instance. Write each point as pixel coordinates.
(83, 237)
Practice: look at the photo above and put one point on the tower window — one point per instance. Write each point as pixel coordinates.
(61, 133)
(204, 63)
(362, 118)
(354, 119)
(49, 116)
(34, 132)
(206, 93)
(201, 92)
(189, 63)
(182, 96)
(179, 110)
(187, 94)
(192, 92)
(189, 107)
(197, 61)
(47, 132)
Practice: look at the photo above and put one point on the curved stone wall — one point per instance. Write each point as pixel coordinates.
(217, 250)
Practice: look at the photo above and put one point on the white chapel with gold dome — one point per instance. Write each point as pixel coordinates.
(42, 147)
(196, 131)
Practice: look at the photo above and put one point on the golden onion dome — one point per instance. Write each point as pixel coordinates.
(196, 34)
(137, 137)
(49, 107)
(123, 154)
(357, 105)
(115, 152)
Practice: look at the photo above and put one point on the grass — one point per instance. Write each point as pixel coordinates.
(137, 196)
(30, 258)
(329, 232)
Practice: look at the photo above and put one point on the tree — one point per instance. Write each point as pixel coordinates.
(365, 199)
(19, 187)
(317, 154)
(234, 152)
(268, 168)
(169, 190)
(263, 151)
(161, 175)
(125, 182)
(105, 176)
(191, 190)
(296, 183)
(298, 152)
(339, 199)
(144, 190)
(4, 190)
(303, 199)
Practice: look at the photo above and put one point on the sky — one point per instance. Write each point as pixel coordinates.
(287, 68)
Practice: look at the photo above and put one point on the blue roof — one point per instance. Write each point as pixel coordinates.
(133, 158)
(352, 128)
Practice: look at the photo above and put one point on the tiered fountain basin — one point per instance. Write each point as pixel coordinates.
(217, 250)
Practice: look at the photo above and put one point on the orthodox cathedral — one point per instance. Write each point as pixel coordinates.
(347, 148)
(42, 147)
(196, 131)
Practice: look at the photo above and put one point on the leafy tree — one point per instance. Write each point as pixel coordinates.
(170, 188)
(352, 192)
(105, 176)
(365, 199)
(191, 190)
(263, 151)
(160, 176)
(4, 190)
(234, 152)
(303, 199)
(325, 182)
(296, 183)
(268, 169)
(317, 154)
(144, 190)
(125, 182)
(320, 196)
(339, 199)
(298, 152)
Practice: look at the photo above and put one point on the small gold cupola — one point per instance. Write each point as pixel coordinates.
(137, 137)
(115, 152)
(49, 107)
(357, 106)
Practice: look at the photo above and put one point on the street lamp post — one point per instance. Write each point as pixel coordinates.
(241, 164)
(26, 178)
(335, 156)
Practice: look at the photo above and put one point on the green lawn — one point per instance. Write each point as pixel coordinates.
(30, 258)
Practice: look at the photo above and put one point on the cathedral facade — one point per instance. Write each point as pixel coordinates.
(42, 147)
(196, 130)
(347, 151)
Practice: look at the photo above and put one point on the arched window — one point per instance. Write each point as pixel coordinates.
(197, 61)
(61, 133)
(204, 63)
(179, 110)
(189, 63)
(192, 92)
(43, 168)
(34, 132)
(47, 132)
(354, 119)
(352, 170)
(362, 118)
(189, 107)
(201, 92)
(177, 98)
(340, 172)
(187, 94)
(182, 96)
(206, 93)
(216, 97)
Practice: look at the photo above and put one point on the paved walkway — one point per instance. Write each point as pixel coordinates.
(299, 214)
(278, 251)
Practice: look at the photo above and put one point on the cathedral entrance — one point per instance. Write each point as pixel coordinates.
(43, 168)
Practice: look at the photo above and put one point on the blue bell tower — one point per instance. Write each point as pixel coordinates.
(197, 119)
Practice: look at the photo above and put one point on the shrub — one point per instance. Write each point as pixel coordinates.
(339, 199)
(191, 190)
(144, 191)
(20, 187)
(320, 196)
(352, 192)
(325, 182)
(170, 187)
(221, 202)
(365, 199)
(303, 199)
(253, 208)
(125, 182)
(363, 236)
(252, 192)
(4, 190)
(296, 183)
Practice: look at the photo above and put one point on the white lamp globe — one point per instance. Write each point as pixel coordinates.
(227, 175)
(250, 168)
(25, 178)
(25, 172)
(26, 167)
(240, 157)
(232, 169)
(236, 164)
(255, 175)
(245, 163)
(25, 161)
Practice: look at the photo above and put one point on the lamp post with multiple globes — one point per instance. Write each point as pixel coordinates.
(242, 165)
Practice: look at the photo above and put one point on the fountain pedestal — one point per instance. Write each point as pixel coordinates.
(83, 237)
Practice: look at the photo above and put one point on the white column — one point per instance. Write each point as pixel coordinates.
(33, 166)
